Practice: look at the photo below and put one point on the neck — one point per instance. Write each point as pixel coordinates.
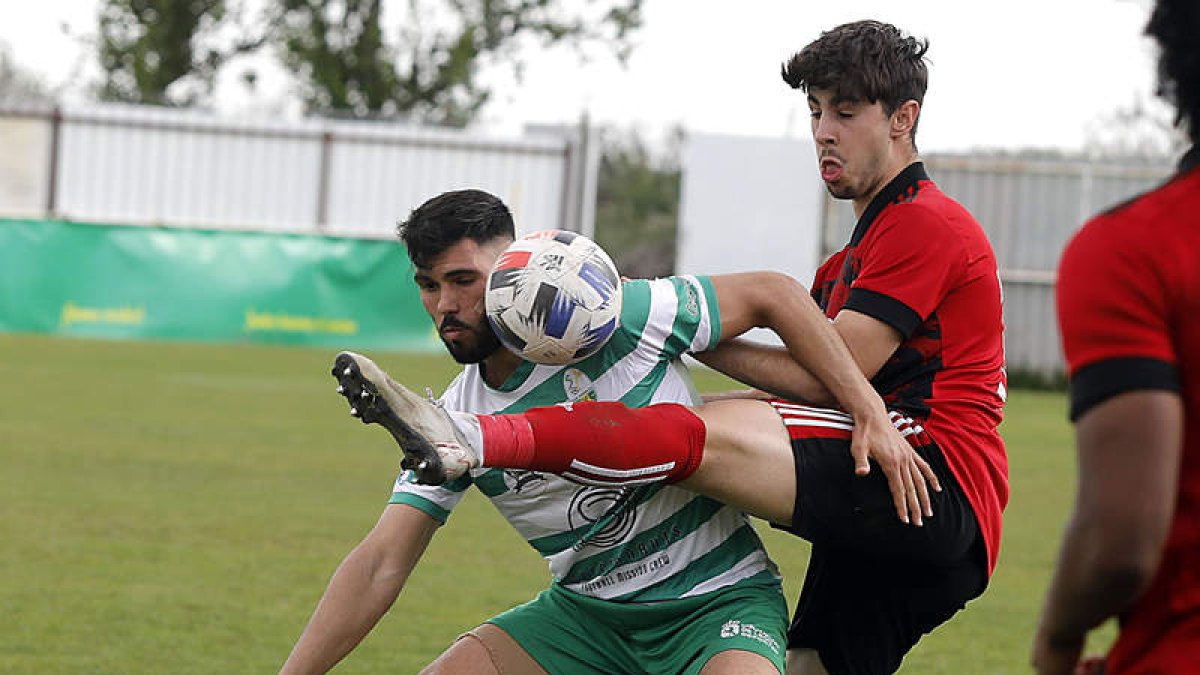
(894, 167)
(499, 366)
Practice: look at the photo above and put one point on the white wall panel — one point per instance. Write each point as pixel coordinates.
(141, 165)
(749, 204)
(24, 165)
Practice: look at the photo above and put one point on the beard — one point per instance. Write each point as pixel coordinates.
(842, 191)
(481, 343)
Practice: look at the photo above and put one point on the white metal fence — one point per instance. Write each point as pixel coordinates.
(141, 165)
(1029, 209)
(135, 165)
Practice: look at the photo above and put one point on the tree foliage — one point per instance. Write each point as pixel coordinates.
(1141, 129)
(637, 203)
(18, 85)
(431, 72)
(167, 52)
(345, 55)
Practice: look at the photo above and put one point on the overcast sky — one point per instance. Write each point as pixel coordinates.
(1019, 73)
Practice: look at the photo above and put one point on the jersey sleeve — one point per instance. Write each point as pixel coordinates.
(670, 316)
(436, 500)
(906, 267)
(1114, 315)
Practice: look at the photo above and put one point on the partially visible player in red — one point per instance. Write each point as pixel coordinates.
(1129, 311)
(916, 297)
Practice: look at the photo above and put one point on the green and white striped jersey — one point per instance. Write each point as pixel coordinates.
(634, 544)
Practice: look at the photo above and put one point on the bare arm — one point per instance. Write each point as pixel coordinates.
(362, 589)
(817, 355)
(836, 357)
(1130, 448)
(773, 369)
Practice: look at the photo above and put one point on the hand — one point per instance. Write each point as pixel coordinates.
(908, 474)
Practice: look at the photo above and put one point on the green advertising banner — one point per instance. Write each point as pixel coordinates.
(209, 285)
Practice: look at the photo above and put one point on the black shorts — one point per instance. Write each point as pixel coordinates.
(874, 585)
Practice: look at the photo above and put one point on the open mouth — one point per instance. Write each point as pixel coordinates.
(831, 169)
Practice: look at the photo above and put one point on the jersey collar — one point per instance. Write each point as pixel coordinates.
(910, 176)
(514, 380)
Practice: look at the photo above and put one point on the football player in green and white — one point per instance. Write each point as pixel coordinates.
(647, 578)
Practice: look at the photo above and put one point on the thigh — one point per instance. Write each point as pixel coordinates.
(747, 461)
(486, 650)
(805, 662)
(738, 662)
(863, 617)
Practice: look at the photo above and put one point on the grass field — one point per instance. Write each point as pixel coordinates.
(178, 508)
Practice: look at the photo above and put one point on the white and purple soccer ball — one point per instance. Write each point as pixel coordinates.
(554, 297)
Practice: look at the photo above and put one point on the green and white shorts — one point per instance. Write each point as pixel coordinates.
(570, 633)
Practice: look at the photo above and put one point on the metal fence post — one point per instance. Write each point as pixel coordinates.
(56, 117)
(323, 182)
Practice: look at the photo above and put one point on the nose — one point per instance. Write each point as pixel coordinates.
(823, 130)
(447, 302)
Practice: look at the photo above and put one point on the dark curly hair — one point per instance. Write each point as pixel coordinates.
(1175, 26)
(449, 218)
(863, 61)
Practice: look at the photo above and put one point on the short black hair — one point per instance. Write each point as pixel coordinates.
(449, 218)
(1175, 26)
(865, 61)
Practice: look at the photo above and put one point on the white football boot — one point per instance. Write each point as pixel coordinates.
(434, 449)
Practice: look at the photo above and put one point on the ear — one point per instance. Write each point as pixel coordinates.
(905, 118)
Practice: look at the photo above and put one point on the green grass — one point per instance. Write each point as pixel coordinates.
(178, 508)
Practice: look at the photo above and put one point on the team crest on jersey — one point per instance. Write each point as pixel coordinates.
(578, 386)
(692, 306)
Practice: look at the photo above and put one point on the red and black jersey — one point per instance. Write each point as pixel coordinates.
(1129, 312)
(919, 262)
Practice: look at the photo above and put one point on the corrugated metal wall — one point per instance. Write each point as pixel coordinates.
(1029, 209)
(141, 165)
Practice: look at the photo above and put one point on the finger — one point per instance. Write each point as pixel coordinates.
(925, 477)
(896, 485)
(922, 487)
(929, 473)
(860, 452)
(910, 493)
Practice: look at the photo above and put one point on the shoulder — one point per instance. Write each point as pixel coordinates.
(931, 223)
(1121, 235)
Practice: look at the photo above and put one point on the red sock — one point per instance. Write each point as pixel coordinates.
(598, 442)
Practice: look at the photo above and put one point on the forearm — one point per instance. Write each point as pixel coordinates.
(819, 349)
(1123, 511)
(768, 368)
(357, 597)
(1093, 581)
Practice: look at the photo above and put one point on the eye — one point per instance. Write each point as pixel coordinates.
(815, 114)
(845, 114)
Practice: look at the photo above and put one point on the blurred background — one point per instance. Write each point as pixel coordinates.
(660, 128)
(197, 209)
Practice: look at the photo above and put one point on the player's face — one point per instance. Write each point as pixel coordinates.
(452, 291)
(853, 142)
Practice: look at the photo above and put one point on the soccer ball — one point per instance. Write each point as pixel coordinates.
(554, 297)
